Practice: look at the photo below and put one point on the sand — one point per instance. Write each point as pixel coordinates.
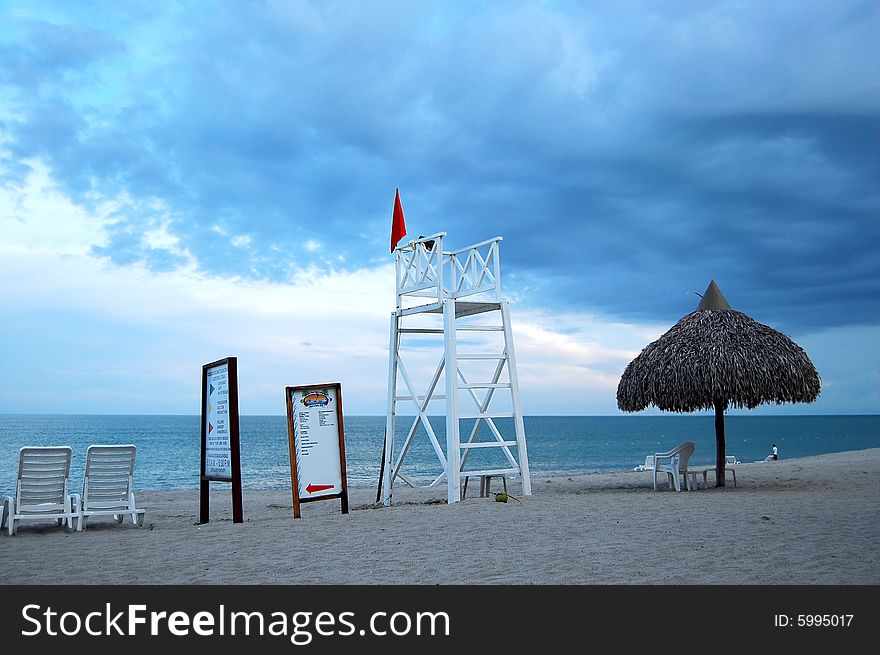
(814, 520)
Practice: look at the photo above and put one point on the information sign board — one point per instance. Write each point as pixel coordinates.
(316, 438)
(220, 434)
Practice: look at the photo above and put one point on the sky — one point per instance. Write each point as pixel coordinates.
(186, 181)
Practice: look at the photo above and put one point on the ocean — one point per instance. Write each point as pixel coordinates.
(168, 446)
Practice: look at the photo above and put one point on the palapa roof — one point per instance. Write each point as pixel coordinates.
(717, 353)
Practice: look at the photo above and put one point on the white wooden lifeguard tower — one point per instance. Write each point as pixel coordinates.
(477, 363)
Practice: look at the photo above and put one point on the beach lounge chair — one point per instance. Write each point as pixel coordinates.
(647, 466)
(674, 463)
(107, 485)
(41, 491)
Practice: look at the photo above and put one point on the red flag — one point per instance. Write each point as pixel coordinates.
(398, 227)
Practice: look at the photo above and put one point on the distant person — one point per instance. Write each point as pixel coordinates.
(774, 453)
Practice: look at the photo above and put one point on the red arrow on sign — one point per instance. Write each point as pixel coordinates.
(312, 488)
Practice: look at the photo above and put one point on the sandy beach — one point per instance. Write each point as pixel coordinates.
(806, 521)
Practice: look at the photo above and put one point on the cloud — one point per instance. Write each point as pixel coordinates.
(124, 338)
(84, 333)
(627, 154)
(31, 219)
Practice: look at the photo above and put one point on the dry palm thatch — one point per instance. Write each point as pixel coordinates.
(714, 355)
(713, 358)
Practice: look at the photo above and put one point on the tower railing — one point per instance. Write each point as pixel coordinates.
(419, 269)
(424, 270)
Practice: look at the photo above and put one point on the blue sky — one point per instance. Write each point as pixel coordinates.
(183, 181)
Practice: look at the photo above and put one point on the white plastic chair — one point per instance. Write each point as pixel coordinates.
(41, 491)
(730, 462)
(674, 463)
(107, 485)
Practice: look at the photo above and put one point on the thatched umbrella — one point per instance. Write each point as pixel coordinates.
(716, 357)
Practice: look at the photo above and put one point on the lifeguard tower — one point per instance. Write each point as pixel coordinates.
(476, 361)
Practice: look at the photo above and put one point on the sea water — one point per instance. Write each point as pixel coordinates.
(169, 446)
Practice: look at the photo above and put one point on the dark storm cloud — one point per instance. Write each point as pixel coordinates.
(627, 155)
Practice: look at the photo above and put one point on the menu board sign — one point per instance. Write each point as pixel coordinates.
(317, 444)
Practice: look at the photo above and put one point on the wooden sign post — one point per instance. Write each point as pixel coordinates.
(317, 444)
(220, 434)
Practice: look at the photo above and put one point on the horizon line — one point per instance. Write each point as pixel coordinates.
(708, 413)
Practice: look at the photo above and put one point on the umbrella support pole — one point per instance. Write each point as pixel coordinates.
(720, 448)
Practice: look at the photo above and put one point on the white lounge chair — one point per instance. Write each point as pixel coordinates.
(41, 491)
(674, 463)
(107, 485)
(647, 466)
